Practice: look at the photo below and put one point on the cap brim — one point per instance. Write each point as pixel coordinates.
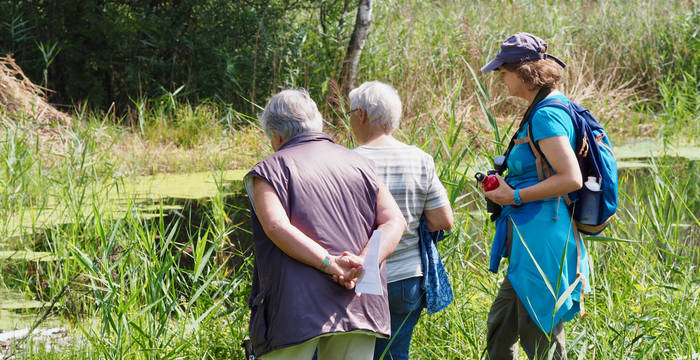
(493, 65)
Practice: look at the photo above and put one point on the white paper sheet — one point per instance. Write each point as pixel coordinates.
(369, 281)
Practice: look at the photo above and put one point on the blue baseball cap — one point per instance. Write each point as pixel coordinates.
(519, 48)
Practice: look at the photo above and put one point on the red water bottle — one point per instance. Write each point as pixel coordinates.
(489, 182)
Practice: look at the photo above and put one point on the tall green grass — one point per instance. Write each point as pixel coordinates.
(646, 291)
(624, 59)
(129, 284)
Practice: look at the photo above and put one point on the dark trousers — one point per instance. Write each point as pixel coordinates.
(509, 320)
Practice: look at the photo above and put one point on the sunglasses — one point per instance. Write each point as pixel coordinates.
(349, 112)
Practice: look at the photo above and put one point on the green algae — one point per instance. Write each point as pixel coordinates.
(26, 255)
(655, 148)
(145, 197)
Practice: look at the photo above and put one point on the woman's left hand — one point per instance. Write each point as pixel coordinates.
(503, 194)
(346, 269)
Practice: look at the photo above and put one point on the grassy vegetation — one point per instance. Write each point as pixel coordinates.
(620, 56)
(169, 283)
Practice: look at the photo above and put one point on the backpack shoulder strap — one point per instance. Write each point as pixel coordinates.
(544, 169)
(554, 102)
(541, 95)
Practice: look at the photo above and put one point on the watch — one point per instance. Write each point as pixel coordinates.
(516, 197)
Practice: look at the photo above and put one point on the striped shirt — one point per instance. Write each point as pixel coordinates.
(410, 175)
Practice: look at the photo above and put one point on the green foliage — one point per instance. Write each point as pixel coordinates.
(19, 168)
(240, 52)
(117, 50)
(620, 55)
(130, 277)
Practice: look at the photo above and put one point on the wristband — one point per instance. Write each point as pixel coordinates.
(516, 197)
(326, 262)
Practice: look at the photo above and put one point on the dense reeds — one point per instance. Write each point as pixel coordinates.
(166, 279)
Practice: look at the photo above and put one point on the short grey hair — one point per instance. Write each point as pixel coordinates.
(289, 113)
(380, 101)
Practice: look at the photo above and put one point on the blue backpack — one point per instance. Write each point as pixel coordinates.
(595, 158)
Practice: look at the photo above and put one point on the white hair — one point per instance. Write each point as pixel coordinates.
(289, 113)
(380, 101)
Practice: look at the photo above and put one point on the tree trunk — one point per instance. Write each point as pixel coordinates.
(357, 41)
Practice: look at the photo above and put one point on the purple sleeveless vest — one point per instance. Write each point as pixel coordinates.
(330, 194)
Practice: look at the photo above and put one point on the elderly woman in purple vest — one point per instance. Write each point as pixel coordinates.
(313, 200)
(410, 175)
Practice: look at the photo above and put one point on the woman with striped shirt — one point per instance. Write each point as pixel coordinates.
(410, 175)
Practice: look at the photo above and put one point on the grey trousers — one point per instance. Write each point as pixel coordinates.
(509, 320)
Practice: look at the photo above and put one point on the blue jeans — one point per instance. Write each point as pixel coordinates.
(406, 302)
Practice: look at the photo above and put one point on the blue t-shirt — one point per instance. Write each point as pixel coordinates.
(547, 122)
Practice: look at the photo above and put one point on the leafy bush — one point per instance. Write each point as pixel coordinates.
(237, 51)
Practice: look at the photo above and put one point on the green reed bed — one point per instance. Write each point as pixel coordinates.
(131, 286)
(127, 284)
(646, 279)
(623, 57)
(159, 289)
(167, 288)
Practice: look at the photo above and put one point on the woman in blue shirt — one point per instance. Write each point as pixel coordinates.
(547, 268)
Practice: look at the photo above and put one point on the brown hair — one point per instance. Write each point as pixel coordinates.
(538, 73)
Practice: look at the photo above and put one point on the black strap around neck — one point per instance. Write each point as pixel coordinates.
(543, 93)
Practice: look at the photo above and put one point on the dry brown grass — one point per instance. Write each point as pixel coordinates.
(429, 99)
(23, 106)
(21, 97)
(133, 155)
(610, 100)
